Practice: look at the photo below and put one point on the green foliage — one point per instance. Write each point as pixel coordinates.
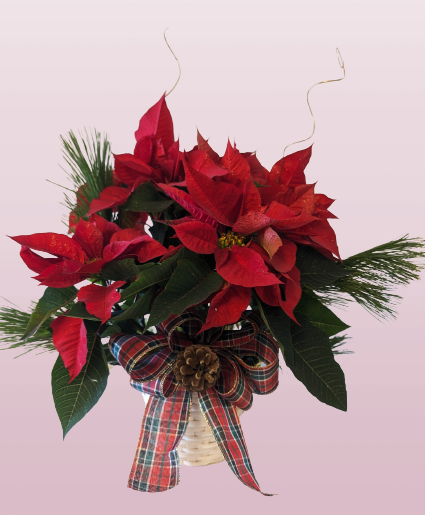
(319, 315)
(139, 308)
(316, 270)
(337, 341)
(52, 300)
(314, 364)
(147, 199)
(278, 324)
(111, 330)
(74, 400)
(191, 283)
(155, 274)
(120, 270)
(90, 169)
(79, 310)
(375, 273)
(13, 324)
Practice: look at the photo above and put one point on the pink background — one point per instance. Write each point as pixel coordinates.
(246, 67)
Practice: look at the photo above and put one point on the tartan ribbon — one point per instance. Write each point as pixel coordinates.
(149, 360)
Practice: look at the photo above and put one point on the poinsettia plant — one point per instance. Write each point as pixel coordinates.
(164, 230)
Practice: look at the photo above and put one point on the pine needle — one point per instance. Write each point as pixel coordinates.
(13, 323)
(337, 342)
(91, 170)
(376, 273)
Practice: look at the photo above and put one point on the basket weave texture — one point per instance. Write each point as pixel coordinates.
(198, 446)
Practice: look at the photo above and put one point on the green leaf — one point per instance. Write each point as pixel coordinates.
(111, 330)
(74, 400)
(145, 266)
(79, 310)
(110, 358)
(191, 283)
(319, 315)
(155, 274)
(314, 364)
(145, 198)
(317, 270)
(139, 309)
(52, 300)
(120, 270)
(278, 323)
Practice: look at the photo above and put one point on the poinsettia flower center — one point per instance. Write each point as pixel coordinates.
(227, 240)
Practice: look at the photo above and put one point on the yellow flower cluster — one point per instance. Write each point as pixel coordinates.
(228, 240)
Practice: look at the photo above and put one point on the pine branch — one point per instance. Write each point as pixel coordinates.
(337, 341)
(91, 170)
(376, 273)
(13, 323)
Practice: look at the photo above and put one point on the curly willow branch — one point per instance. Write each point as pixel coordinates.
(341, 64)
(180, 70)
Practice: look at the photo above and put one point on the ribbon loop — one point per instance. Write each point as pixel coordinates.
(128, 350)
(232, 384)
(262, 379)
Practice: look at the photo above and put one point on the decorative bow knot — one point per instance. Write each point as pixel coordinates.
(150, 359)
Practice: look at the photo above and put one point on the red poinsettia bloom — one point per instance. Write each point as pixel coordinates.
(286, 185)
(92, 246)
(156, 157)
(228, 220)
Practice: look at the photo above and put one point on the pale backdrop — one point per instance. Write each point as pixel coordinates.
(246, 67)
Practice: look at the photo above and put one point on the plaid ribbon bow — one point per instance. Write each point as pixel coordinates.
(149, 360)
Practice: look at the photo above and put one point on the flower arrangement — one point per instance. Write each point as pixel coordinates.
(200, 268)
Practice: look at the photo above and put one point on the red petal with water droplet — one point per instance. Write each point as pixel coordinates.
(227, 306)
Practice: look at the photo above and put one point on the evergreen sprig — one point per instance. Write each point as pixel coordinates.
(13, 323)
(337, 342)
(376, 273)
(90, 169)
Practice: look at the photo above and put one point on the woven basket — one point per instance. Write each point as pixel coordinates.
(198, 446)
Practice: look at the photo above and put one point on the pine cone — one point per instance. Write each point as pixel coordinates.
(197, 368)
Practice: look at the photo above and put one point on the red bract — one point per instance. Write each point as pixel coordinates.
(70, 339)
(92, 246)
(285, 296)
(100, 299)
(243, 266)
(286, 186)
(235, 163)
(227, 306)
(220, 200)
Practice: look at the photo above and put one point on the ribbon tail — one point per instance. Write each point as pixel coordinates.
(156, 463)
(224, 423)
